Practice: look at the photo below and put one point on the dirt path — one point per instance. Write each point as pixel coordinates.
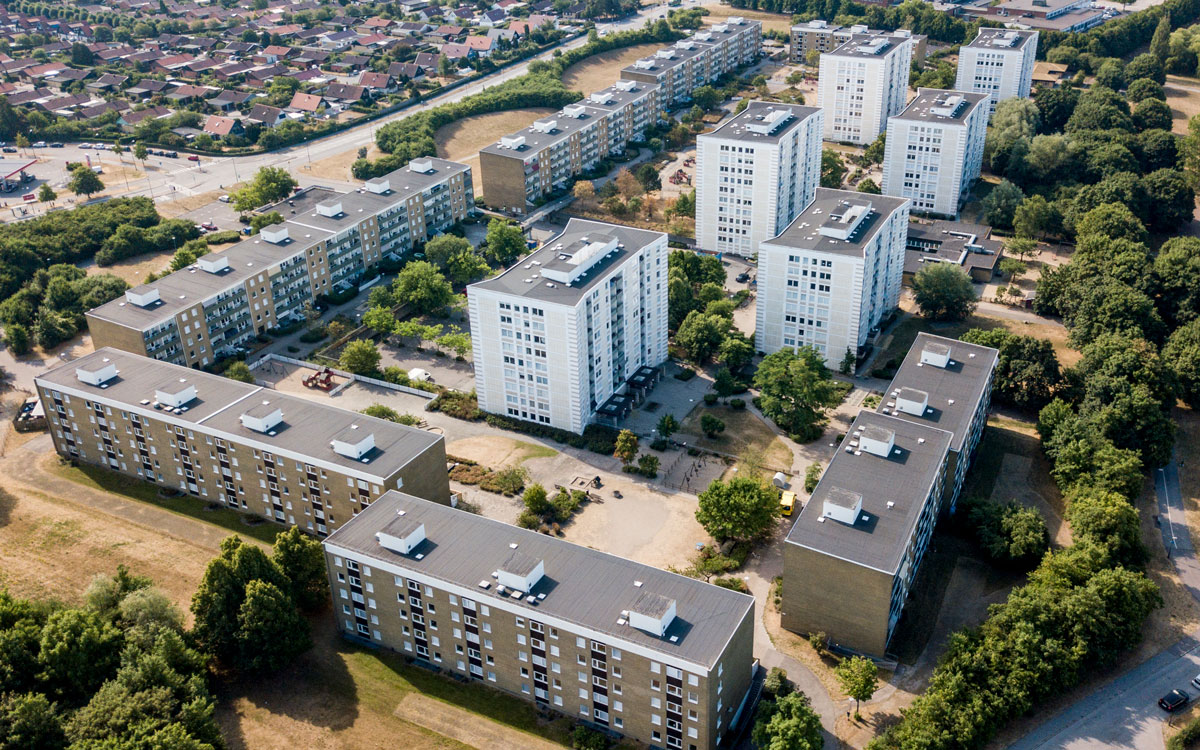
(466, 727)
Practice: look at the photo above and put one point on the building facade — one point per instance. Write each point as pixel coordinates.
(526, 166)
(861, 84)
(200, 314)
(248, 448)
(934, 150)
(946, 383)
(821, 36)
(998, 62)
(754, 174)
(561, 333)
(829, 278)
(864, 532)
(626, 648)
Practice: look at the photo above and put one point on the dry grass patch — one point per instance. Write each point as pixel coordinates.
(744, 430)
(461, 140)
(771, 21)
(184, 204)
(337, 167)
(602, 70)
(1183, 97)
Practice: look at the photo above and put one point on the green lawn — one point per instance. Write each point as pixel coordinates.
(185, 505)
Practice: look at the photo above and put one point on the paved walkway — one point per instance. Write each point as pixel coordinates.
(1123, 713)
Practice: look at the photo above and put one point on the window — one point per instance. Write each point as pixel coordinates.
(655, 685)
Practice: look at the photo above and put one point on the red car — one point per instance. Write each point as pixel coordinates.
(209, 226)
(193, 157)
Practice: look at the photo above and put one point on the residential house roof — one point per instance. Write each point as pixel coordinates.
(218, 125)
(305, 102)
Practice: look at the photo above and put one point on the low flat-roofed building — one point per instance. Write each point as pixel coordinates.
(965, 245)
(955, 380)
(856, 547)
(252, 449)
(667, 660)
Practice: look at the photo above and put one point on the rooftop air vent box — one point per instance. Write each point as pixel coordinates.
(652, 613)
(97, 374)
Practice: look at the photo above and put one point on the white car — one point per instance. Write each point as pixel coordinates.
(1196, 681)
(224, 199)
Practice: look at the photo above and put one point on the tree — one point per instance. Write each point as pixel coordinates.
(1160, 43)
(744, 508)
(776, 684)
(874, 153)
(628, 185)
(848, 360)
(239, 370)
(1112, 220)
(724, 384)
(380, 320)
(271, 633)
(1027, 369)
(1173, 199)
(77, 653)
(270, 184)
(648, 465)
(667, 425)
(788, 723)
(700, 335)
(505, 241)
(440, 249)
(943, 291)
(269, 219)
(17, 336)
(711, 425)
(1000, 205)
(46, 193)
(360, 357)
(30, 722)
(140, 152)
(626, 446)
(1111, 75)
(535, 500)
(1145, 88)
(1146, 65)
(302, 560)
(584, 190)
(795, 389)
(1035, 217)
(1011, 534)
(858, 677)
(84, 181)
(833, 169)
(1182, 354)
(1151, 114)
(1108, 520)
(736, 351)
(422, 286)
(869, 186)
(647, 174)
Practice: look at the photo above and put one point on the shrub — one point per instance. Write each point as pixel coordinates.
(710, 399)
(737, 403)
(584, 738)
(659, 444)
(812, 475)
(508, 481)
(733, 583)
(458, 405)
(313, 335)
(685, 375)
(776, 683)
(818, 640)
(529, 520)
(596, 437)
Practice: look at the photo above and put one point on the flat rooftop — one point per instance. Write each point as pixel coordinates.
(1002, 39)
(594, 246)
(823, 227)
(580, 585)
(536, 140)
(870, 45)
(942, 106)
(954, 390)
(763, 122)
(307, 429)
(879, 535)
(182, 289)
(660, 64)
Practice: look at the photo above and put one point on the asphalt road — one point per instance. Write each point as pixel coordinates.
(1124, 715)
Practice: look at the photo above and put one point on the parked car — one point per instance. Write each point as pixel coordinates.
(208, 226)
(193, 157)
(1174, 700)
(171, 154)
(85, 145)
(9, 150)
(56, 145)
(40, 144)
(1196, 681)
(743, 277)
(224, 199)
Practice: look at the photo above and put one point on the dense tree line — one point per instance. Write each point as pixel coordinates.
(542, 86)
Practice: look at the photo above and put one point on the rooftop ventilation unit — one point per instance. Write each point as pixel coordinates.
(948, 106)
(652, 613)
(144, 297)
(574, 111)
(842, 505)
(175, 394)
(520, 572)
(912, 401)
(666, 54)
(626, 85)
(702, 36)
(772, 121)
(379, 185)
(936, 354)
(213, 262)
(276, 234)
(545, 126)
(845, 219)
(644, 64)
(330, 208)
(97, 374)
(685, 44)
(353, 442)
(512, 141)
(401, 535)
(601, 97)
(877, 441)
(421, 166)
(263, 417)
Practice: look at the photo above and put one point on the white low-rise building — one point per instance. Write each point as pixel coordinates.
(935, 149)
(564, 330)
(831, 276)
(754, 174)
(998, 62)
(862, 83)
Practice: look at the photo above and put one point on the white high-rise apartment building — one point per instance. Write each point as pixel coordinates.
(862, 83)
(998, 62)
(831, 276)
(935, 149)
(562, 332)
(754, 174)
